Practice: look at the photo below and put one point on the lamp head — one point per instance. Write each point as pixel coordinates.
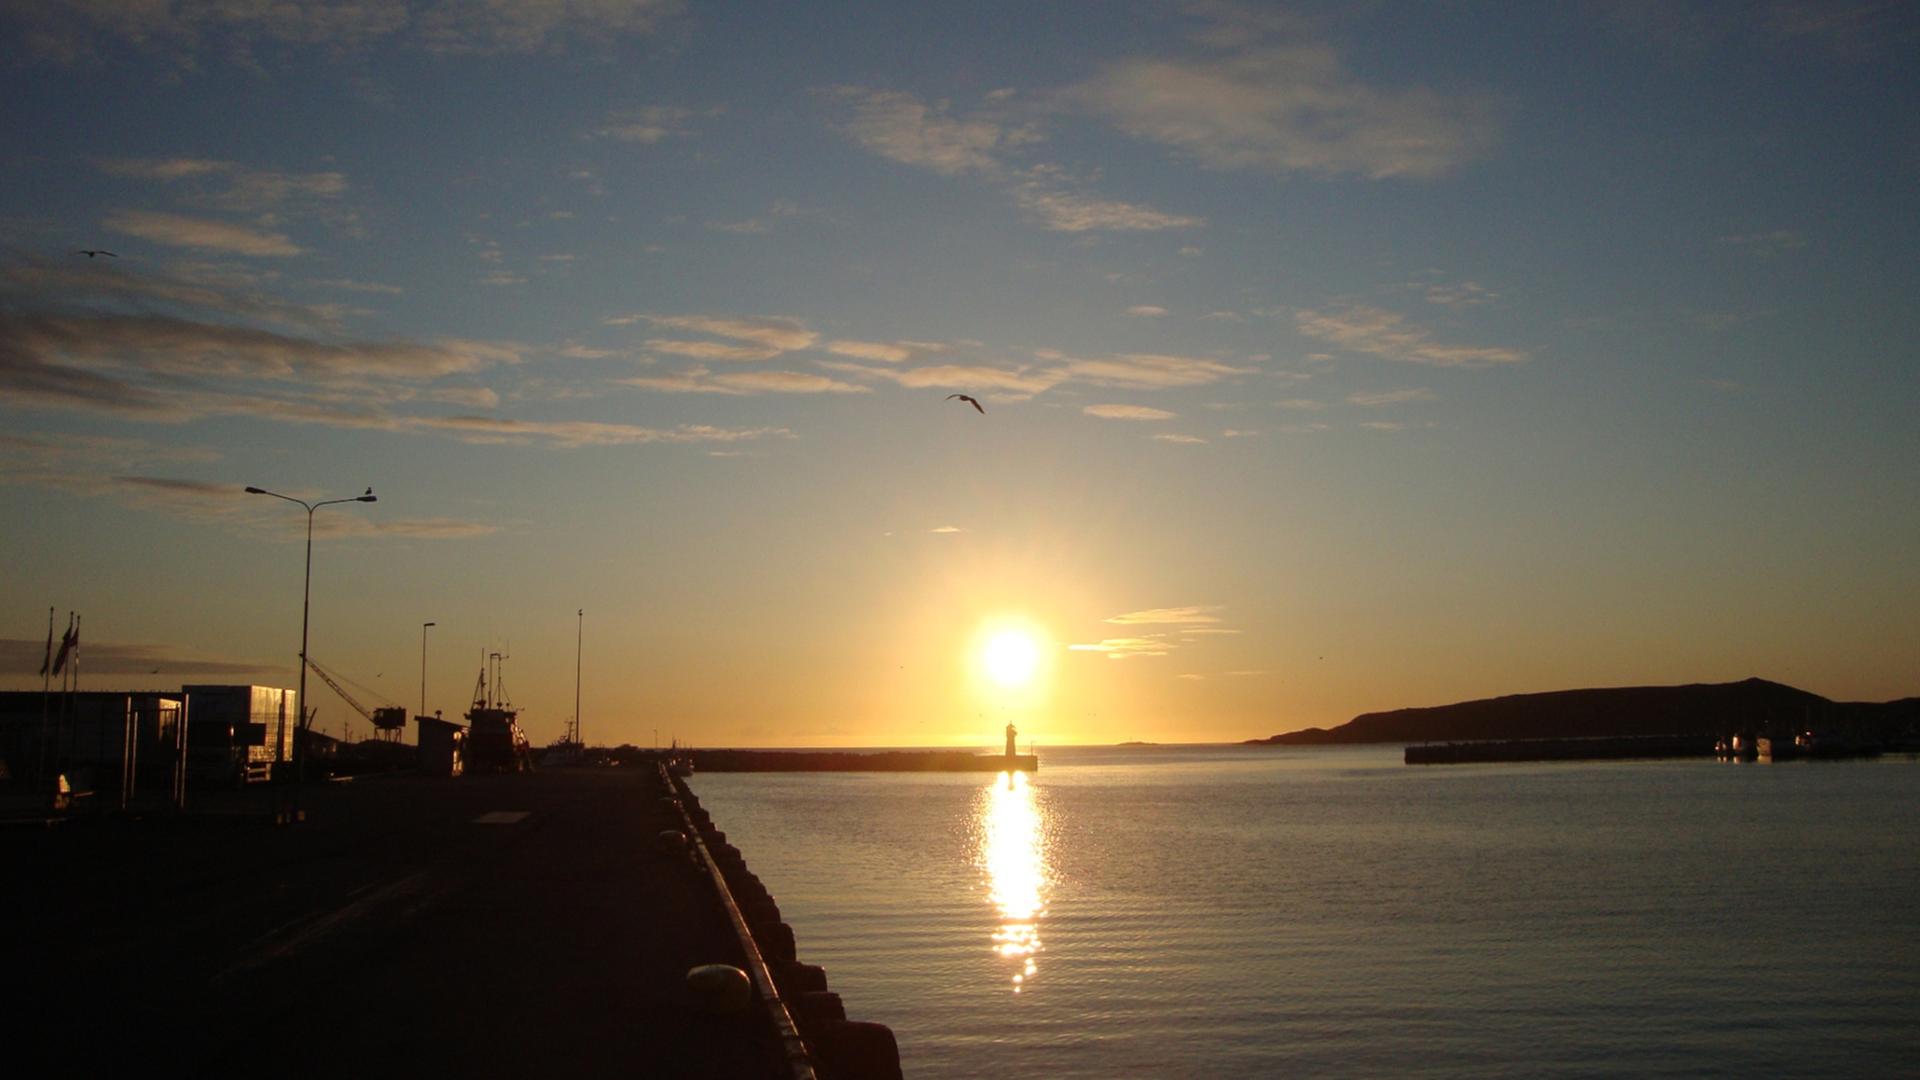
(256, 491)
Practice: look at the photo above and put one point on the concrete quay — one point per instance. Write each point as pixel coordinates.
(483, 926)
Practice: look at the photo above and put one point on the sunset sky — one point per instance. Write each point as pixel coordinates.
(1334, 358)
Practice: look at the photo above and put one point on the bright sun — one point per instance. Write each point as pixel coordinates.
(1011, 658)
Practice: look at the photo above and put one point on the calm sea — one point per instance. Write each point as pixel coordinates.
(1228, 911)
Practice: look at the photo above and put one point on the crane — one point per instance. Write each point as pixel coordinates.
(388, 721)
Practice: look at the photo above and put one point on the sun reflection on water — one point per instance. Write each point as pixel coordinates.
(1012, 859)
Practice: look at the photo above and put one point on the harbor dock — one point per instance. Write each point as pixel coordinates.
(510, 925)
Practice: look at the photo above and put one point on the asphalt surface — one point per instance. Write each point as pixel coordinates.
(478, 926)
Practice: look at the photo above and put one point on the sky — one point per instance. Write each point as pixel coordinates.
(1333, 358)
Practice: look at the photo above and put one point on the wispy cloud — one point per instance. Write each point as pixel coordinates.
(1146, 311)
(1127, 412)
(1061, 209)
(645, 125)
(902, 128)
(1179, 439)
(1266, 99)
(1377, 398)
(1147, 371)
(199, 233)
(702, 381)
(1190, 615)
(1378, 332)
(946, 529)
(350, 285)
(712, 350)
(123, 658)
(1019, 382)
(773, 331)
(1123, 648)
(884, 352)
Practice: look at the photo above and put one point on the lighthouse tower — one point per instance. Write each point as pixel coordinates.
(1010, 736)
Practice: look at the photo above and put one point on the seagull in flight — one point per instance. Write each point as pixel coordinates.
(91, 252)
(968, 400)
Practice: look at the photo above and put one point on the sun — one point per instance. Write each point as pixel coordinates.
(1011, 658)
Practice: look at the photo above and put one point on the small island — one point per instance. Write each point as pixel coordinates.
(1696, 719)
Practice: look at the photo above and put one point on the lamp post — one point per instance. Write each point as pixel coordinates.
(306, 597)
(580, 629)
(423, 666)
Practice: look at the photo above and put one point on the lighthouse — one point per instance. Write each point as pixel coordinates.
(1010, 736)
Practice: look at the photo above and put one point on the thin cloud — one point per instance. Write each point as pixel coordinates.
(647, 125)
(125, 658)
(1016, 381)
(1289, 108)
(774, 331)
(1376, 331)
(1124, 648)
(1182, 440)
(946, 529)
(1375, 399)
(1062, 210)
(1146, 371)
(199, 233)
(902, 128)
(1190, 615)
(1146, 311)
(702, 381)
(712, 350)
(350, 285)
(872, 350)
(1127, 412)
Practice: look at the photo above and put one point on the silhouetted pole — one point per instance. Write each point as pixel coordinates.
(579, 636)
(306, 600)
(423, 666)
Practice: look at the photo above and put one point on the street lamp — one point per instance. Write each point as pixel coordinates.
(306, 596)
(423, 666)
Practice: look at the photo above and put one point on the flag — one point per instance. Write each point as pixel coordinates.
(68, 643)
(48, 662)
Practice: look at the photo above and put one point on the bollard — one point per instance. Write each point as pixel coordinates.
(719, 988)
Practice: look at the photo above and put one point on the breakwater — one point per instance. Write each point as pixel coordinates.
(811, 1020)
(850, 761)
(1599, 749)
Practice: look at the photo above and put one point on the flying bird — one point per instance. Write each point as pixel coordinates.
(91, 252)
(968, 400)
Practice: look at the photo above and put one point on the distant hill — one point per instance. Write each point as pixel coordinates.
(1694, 709)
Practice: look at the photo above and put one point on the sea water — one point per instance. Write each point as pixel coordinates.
(1259, 911)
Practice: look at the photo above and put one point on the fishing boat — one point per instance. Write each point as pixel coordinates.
(495, 742)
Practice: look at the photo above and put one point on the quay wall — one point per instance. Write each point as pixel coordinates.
(823, 1042)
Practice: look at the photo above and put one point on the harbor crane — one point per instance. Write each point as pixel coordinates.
(388, 721)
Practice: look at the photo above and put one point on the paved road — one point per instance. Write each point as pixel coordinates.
(482, 926)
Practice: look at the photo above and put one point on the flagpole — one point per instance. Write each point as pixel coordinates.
(46, 693)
